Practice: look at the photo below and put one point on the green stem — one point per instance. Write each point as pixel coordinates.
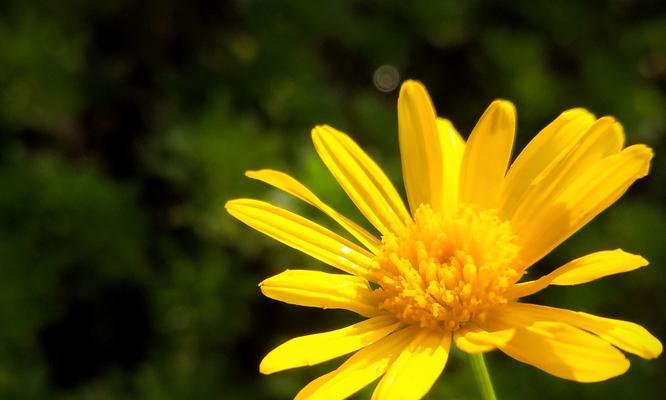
(482, 377)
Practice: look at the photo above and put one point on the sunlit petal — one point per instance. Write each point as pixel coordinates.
(547, 148)
(360, 370)
(290, 185)
(320, 347)
(487, 155)
(420, 147)
(302, 234)
(582, 270)
(453, 148)
(361, 178)
(625, 335)
(320, 289)
(592, 190)
(477, 340)
(558, 348)
(415, 370)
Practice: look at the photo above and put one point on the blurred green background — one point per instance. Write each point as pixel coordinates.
(125, 126)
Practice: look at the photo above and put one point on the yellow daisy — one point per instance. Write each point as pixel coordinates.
(449, 268)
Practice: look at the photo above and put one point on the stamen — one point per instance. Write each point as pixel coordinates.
(445, 270)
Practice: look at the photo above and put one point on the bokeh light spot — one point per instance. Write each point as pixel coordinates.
(386, 78)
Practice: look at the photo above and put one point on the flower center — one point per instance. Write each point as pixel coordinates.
(446, 269)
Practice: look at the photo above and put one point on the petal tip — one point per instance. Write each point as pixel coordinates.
(319, 131)
(267, 282)
(316, 130)
(410, 86)
(641, 153)
(504, 106)
(265, 367)
(657, 348)
(229, 205)
(651, 346)
(640, 261)
(238, 204)
(445, 123)
(576, 112)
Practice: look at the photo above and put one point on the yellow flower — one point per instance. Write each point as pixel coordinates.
(449, 268)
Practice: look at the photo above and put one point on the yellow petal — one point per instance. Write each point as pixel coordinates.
(487, 155)
(559, 349)
(415, 370)
(592, 191)
(302, 234)
(604, 138)
(362, 179)
(359, 371)
(420, 147)
(319, 289)
(476, 340)
(453, 148)
(582, 270)
(320, 347)
(548, 147)
(290, 185)
(626, 335)
(452, 137)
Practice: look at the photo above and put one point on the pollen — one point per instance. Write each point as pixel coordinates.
(446, 269)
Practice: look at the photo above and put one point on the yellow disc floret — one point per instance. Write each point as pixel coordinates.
(446, 269)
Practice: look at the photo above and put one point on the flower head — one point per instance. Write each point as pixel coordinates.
(450, 268)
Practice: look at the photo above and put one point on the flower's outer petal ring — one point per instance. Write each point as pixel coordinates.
(359, 370)
(314, 349)
(360, 177)
(581, 270)
(417, 368)
(302, 234)
(323, 290)
(290, 185)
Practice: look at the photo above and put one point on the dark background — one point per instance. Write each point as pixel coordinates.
(125, 126)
